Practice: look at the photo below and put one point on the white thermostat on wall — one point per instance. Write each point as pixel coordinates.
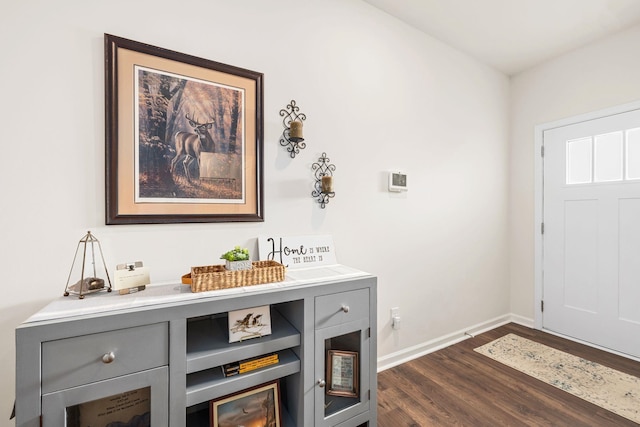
(397, 182)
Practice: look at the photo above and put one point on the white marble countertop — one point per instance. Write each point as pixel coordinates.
(155, 294)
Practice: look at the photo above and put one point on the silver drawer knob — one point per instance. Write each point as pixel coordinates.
(345, 308)
(108, 357)
(321, 383)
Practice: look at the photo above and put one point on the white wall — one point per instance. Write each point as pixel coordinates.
(598, 76)
(378, 96)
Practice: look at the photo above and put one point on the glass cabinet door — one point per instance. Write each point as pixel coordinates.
(139, 399)
(342, 372)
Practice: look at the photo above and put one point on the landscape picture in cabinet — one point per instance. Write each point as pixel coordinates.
(255, 407)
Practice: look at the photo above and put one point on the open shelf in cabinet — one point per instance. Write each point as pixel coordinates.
(202, 419)
(198, 416)
(211, 383)
(208, 342)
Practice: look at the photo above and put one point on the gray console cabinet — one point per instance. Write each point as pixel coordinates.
(166, 345)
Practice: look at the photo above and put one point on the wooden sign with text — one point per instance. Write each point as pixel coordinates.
(298, 251)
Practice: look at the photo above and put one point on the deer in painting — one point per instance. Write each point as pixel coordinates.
(190, 145)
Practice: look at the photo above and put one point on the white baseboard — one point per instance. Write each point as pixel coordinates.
(410, 353)
(521, 320)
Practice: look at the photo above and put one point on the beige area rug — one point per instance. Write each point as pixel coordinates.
(610, 389)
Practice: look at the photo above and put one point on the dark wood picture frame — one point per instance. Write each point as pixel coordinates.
(342, 373)
(184, 137)
(247, 407)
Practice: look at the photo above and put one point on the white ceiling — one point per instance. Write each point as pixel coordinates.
(513, 35)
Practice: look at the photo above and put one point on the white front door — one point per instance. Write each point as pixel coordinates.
(591, 239)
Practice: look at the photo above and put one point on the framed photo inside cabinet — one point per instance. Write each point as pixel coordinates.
(257, 406)
(249, 323)
(184, 137)
(342, 373)
(130, 408)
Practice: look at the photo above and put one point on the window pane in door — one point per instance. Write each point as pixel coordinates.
(633, 153)
(608, 157)
(579, 159)
(343, 372)
(131, 408)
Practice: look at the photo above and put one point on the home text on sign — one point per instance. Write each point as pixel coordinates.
(298, 251)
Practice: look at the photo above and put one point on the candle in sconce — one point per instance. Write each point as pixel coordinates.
(295, 131)
(327, 184)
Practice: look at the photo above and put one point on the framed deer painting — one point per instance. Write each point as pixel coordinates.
(184, 137)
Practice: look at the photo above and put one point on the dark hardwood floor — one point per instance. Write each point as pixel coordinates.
(456, 386)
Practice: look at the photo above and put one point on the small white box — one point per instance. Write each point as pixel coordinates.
(131, 277)
(397, 182)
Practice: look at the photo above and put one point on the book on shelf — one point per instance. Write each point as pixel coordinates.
(248, 365)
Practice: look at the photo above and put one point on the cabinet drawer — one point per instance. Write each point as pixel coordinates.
(342, 307)
(84, 359)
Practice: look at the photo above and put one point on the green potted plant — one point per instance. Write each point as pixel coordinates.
(237, 259)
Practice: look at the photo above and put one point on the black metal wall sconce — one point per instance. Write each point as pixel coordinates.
(292, 136)
(323, 186)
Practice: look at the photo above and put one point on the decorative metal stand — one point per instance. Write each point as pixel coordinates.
(323, 187)
(90, 284)
(293, 140)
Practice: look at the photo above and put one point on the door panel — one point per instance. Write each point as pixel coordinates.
(581, 255)
(591, 241)
(629, 260)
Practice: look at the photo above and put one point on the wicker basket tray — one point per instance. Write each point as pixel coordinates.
(214, 277)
